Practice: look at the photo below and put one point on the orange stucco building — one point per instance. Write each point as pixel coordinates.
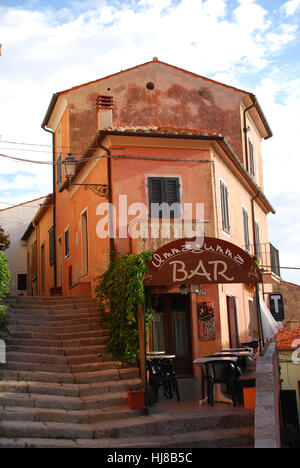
(152, 134)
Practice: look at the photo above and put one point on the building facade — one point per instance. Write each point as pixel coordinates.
(14, 220)
(152, 135)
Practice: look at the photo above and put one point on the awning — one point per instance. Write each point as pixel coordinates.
(269, 325)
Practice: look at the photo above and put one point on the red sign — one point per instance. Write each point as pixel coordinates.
(215, 261)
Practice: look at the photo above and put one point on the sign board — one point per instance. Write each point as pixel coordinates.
(277, 306)
(206, 321)
(214, 261)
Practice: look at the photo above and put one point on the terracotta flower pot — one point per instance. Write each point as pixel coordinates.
(136, 398)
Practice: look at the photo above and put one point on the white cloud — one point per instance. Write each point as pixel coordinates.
(50, 50)
(291, 7)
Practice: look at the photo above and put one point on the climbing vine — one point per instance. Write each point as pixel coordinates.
(119, 292)
(4, 282)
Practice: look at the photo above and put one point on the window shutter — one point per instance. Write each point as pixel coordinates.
(173, 195)
(51, 246)
(224, 207)
(164, 190)
(246, 230)
(67, 243)
(59, 170)
(251, 158)
(257, 240)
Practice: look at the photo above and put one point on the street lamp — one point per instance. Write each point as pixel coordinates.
(70, 165)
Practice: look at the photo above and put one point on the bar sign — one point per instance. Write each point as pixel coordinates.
(277, 306)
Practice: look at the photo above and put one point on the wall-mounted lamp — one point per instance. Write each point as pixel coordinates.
(195, 288)
(70, 165)
(184, 289)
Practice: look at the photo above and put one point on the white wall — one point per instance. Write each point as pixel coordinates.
(15, 221)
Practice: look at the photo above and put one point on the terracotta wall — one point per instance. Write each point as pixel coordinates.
(291, 298)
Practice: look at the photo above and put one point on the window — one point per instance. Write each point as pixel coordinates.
(21, 281)
(257, 240)
(224, 207)
(164, 197)
(251, 158)
(246, 231)
(67, 243)
(59, 170)
(84, 244)
(51, 246)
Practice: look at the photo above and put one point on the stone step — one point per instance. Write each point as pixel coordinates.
(88, 339)
(84, 378)
(55, 359)
(52, 307)
(62, 416)
(68, 390)
(62, 402)
(236, 438)
(50, 430)
(35, 319)
(78, 351)
(52, 324)
(63, 368)
(91, 326)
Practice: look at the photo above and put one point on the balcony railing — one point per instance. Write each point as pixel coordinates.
(268, 256)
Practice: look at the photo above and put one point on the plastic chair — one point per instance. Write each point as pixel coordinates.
(223, 372)
(161, 374)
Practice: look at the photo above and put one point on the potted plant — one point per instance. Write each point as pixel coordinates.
(136, 397)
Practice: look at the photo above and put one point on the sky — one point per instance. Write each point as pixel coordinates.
(49, 46)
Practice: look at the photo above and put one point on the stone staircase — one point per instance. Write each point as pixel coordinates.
(59, 389)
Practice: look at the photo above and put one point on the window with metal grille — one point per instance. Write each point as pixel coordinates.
(251, 158)
(51, 246)
(246, 230)
(58, 170)
(164, 197)
(67, 243)
(224, 207)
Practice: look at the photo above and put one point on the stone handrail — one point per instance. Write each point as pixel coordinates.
(267, 410)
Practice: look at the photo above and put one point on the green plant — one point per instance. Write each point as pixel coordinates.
(4, 282)
(4, 240)
(119, 292)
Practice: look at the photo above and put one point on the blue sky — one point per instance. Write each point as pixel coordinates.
(49, 46)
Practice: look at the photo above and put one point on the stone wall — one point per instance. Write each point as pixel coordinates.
(291, 297)
(267, 415)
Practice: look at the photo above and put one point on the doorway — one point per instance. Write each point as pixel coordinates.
(171, 331)
(233, 330)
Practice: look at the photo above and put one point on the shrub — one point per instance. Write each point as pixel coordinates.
(4, 282)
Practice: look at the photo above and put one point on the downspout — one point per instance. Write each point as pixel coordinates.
(246, 130)
(110, 201)
(54, 205)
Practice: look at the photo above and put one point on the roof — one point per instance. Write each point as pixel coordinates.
(188, 133)
(286, 337)
(155, 60)
(43, 208)
(21, 204)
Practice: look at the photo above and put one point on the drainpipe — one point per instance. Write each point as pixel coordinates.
(54, 205)
(110, 200)
(246, 130)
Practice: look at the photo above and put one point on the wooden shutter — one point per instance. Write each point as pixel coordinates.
(224, 207)
(251, 158)
(257, 240)
(51, 246)
(246, 230)
(164, 190)
(67, 243)
(59, 170)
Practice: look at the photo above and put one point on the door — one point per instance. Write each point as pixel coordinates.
(171, 331)
(233, 329)
(60, 253)
(43, 270)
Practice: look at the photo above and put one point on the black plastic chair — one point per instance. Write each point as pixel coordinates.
(222, 372)
(161, 374)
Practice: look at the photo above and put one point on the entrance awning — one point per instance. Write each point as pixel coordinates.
(269, 325)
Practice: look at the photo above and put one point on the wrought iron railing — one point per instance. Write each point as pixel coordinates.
(268, 256)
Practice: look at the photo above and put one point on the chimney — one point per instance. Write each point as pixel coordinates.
(104, 107)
